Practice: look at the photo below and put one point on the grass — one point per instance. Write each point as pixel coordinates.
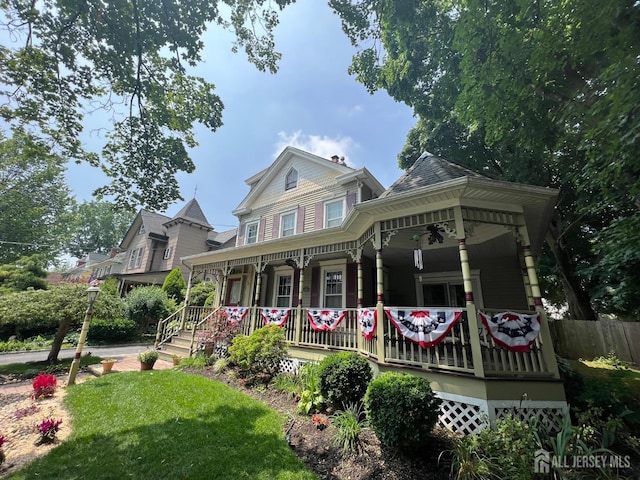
(168, 424)
(31, 369)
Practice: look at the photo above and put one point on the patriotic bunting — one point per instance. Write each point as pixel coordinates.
(236, 314)
(513, 331)
(367, 320)
(322, 320)
(275, 316)
(424, 327)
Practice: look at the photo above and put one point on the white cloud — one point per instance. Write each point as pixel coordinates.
(322, 146)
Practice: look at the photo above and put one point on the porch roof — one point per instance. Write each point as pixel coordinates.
(536, 204)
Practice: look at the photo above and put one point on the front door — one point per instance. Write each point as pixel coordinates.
(233, 292)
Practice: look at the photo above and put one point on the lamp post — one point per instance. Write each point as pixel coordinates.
(92, 293)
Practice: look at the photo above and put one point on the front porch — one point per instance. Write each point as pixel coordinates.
(474, 389)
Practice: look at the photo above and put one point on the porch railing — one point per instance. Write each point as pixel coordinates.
(453, 353)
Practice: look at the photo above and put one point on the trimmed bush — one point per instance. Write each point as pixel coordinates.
(200, 292)
(402, 410)
(174, 285)
(111, 331)
(260, 353)
(344, 378)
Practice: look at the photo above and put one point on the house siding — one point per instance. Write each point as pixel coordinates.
(316, 184)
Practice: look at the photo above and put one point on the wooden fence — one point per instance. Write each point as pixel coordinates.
(584, 339)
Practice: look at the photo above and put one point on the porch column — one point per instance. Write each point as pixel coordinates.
(380, 343)
(223, 290)
(183, 319)
(472, 314)
(545, 335)
(299, 310)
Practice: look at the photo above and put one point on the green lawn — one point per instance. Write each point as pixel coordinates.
(167, 425)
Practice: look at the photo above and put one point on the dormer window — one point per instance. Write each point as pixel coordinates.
(291, 180)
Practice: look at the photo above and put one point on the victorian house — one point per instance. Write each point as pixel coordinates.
(434, 275)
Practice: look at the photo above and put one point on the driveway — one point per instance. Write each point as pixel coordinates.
(41, 355)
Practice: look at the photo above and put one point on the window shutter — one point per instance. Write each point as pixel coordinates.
(275, 229)
(296, 289)
(352, 285)
(319, 218)
(351, 200)
(240, 239)
(261, 228)
(315, 287)
(300, 220)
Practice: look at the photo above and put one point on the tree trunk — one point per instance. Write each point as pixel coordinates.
(578, 300)
(63, 328)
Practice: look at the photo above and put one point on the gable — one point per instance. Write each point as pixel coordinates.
(313, 173)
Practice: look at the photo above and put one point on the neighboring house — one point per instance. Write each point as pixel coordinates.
(84, 266)
(434, 275)
(154, 244)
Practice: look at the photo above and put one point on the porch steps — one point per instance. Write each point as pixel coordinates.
(179, 345)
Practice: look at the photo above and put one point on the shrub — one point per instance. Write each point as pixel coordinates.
(146, 306)
(260, 353)
(111, 331)
(344, 378)
(200, 292)
(174, 285)
(199, 360)
(44, 385)
(311, 399)
(402, 409)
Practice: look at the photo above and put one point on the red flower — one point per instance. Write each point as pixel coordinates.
(44, 385)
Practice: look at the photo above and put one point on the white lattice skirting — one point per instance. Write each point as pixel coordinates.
(468, 415)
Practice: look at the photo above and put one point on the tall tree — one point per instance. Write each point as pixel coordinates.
(34, 199)
(132, 59)
(26, 273)
(97, 227)
(539, 93)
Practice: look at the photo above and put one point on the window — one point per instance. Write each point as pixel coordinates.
(284, 290)
(141, 229)
(167, 253)
(252, 233)
(333, 213)
(288, 224)
(291, 180)
(446, 289)
(135, 258)
(333, 288)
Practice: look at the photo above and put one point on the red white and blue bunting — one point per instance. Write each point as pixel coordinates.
(513, 331)
(368, 320)
(424, 327)
(327, 319)
(236, 314)
(275, 316)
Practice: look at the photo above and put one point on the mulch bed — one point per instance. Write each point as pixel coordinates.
(316, 449)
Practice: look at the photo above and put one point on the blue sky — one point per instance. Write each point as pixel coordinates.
(311, 103)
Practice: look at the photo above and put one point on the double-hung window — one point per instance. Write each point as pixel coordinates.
(284, 291)
(135, 258)
(167, 253)
(333, 288)
(288, 224)
(333, 213)
(251, 235)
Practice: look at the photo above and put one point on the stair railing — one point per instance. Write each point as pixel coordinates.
(167, 328)
(199, 326)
